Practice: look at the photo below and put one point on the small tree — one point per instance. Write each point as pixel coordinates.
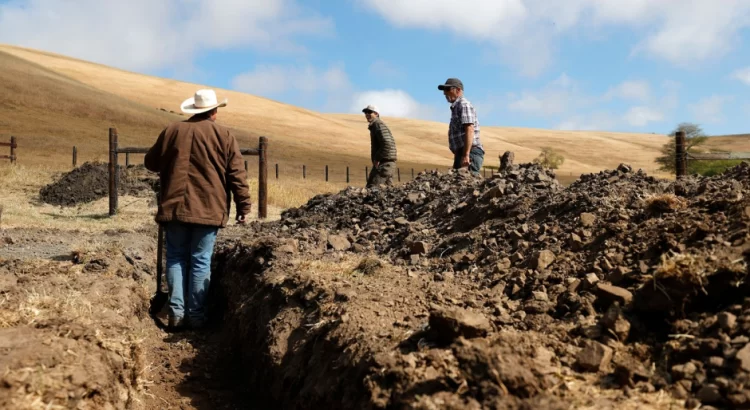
(694, 136)
(549, 158)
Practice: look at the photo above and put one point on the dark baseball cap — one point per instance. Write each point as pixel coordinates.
(451, 82)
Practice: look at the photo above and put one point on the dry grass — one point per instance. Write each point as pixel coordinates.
(20, 185)
(662, 203)
(297, 136)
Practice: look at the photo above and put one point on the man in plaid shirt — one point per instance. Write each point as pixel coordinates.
(463, 132)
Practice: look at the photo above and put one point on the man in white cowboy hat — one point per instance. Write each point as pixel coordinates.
(199, 164)
(382, 149)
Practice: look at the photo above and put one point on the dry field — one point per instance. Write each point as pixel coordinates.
(140, 105)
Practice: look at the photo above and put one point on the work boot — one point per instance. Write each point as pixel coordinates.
(176, 322)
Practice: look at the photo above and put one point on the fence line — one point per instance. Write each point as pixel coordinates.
(114, 170)
(13, 144)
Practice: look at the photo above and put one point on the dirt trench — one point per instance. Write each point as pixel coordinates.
(75, 332)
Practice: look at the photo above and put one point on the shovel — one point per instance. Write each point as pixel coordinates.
(160, 297)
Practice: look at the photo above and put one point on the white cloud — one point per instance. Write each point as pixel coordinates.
(641, 116)
(144, 35)
(743, 74)
(327, 90)
(392, 103)
(710, 109)
(384, 69)
(558, 97)
(600, 121)
(679, 31)
(574, 109)
(630, 90)
(273, 80)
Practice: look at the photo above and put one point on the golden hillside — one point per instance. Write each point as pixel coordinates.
(59, 102)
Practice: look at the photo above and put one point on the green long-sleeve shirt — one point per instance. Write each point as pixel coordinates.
(383, 147)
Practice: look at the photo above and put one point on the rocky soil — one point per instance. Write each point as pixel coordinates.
(511, 292)
(90, 182)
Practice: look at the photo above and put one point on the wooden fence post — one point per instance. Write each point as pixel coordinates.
(13, 146)
(347, 174)
(75, 156)
(304, 172)
(366, 175)
(112, 171)
(412, 173)
(398, 171)
(680, 155)
(262, 178)
(245, 166)
(277, 171)
(326, 173)
(127, 159)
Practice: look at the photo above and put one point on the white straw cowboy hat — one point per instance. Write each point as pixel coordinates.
(204, 100)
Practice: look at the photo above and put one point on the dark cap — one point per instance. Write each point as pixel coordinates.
(451, 82)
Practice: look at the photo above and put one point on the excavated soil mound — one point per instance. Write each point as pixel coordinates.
(456, 292)
(90, 182)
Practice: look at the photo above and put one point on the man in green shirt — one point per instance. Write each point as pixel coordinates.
(383, 149)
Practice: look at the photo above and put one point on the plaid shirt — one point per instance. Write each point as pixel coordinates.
(462, 112)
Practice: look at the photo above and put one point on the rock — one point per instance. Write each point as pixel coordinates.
(506, 160)
(684, 371)
(419, 247)
(716, 361)
(588, 220)
(618, 274)
(449, 324)
(339, 242)
(590, 280)
(494, 192)
(726, 320)
(575, 242)
(613, 294)
(401, 221)
(412, 197)
(743, 358)
(544, 259)
(614, 321)
(541, 296)
(709, 393)
(594, 356)
(503, 265)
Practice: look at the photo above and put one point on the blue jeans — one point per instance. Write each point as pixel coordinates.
(476, 157)
(189, 251)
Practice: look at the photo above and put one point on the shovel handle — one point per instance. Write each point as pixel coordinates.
(159, 257)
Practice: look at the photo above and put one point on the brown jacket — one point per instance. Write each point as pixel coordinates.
(199, 165)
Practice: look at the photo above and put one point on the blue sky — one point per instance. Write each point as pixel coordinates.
(636, 65)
